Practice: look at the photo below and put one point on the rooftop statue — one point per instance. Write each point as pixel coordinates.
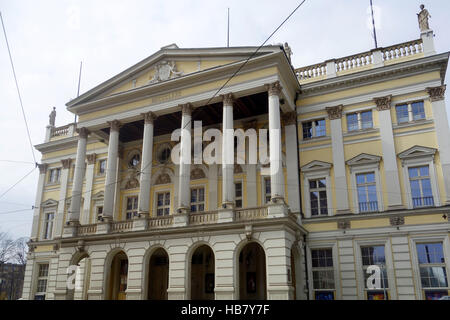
(52, 117)
(423, 16)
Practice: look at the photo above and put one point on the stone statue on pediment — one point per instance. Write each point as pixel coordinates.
(165, 70)
(423, 16)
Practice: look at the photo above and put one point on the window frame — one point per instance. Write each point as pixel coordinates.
(197, 187)
(359, 120)
(155, 202)
(418, 162)
(366, 166)
(37, 277)
(313, 128)
(263, 190)
(49, 180)
(410, 112)
(98, 171)
(391, 291)
(414, 240)
(311, 172)
(236, 198)
(124, 206)
(337, 281)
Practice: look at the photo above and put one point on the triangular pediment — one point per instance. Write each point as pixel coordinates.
(99, 196)
(416, 152)
(169, 63)
(49, 203)
(364, 158)
(316, 165)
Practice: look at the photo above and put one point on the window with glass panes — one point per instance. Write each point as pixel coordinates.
(99, 211)
(367, 192)
(410, 112)
(162, 203)
(318, 197)
(132, 207)
(359, 121)
(41, 283)
(54, 175)
(316, 128)
(238, 194)
(48, 228)
(421, 192)
(323, 274)
(102, 167)
(433, 271)
(267, 192)
(375, 255)
(197, 199)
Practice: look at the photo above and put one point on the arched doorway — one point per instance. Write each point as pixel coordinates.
(158, 275)
(252, 272)
(79, 273)
(202, 273)
(118, 277)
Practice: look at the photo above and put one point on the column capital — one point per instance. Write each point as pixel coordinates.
(334, 112)
(149, 117)
(91, 158)
(289, 118)
(42, 168)
(66, 163)
(186, 109)
(274, 88)
(437, 93)
(227, 99)
(83, 132)
(383, 103)
(114, 125)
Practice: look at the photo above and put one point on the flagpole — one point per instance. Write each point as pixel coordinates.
(373, 24)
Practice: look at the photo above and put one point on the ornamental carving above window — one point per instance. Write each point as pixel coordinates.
(163, 178)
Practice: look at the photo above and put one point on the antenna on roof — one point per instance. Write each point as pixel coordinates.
(373, 24)
(228, 28)
(79, 81)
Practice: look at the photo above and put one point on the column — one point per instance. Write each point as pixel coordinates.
(111, 170)
(90, 173)
(146, 164)
(393, 193)
(184, 166)
(437, 95)
(75, 204)
(276, 163)
(59, 221)
(337, 144)
(227, 152)
(290, 136)
(38, 200)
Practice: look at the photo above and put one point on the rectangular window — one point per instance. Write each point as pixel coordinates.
(162, 204)
(41, 283)
(318, 197)
(197, 199)
(267, 192)
(402, 113)
(374, 255)
(132, 207)
(54, 175)
(238, 194)
(316, 128)
(48, 231)
(102, 166)
(421, 192)
(367, 192)
(99, 211)
(433, 272)
(418, 111)
(410, 112)
(359, 121)
(323, 274)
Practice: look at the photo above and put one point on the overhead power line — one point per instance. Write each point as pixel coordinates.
(18, 90)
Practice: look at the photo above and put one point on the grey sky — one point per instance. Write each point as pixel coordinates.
(48, 40)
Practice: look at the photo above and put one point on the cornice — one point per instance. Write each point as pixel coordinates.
(62, 144)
